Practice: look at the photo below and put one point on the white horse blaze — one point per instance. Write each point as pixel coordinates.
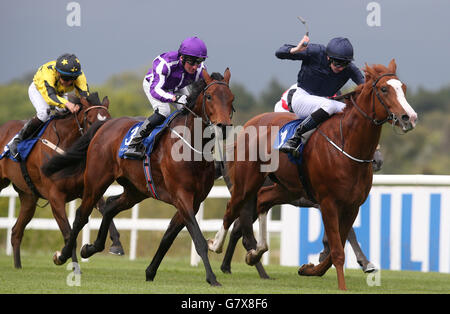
(100, 117)
(397, 86)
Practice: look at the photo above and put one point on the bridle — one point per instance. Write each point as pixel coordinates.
(204, 116)
(84, 121)
(390, 116)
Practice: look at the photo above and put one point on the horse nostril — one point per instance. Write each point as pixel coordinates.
(405, 118)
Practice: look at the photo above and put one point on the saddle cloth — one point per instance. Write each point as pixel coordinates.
(24, 148)
(285, 133)
(148, 142)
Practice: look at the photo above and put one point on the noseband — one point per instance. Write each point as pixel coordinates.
(81, 128)
(390, 115)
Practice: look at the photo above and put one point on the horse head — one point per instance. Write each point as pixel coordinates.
(388, 93)
(214, 103)
(92, 110)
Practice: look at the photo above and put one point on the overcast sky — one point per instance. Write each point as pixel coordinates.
(115, 36)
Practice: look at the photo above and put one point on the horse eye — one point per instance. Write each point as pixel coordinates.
(208, 96)
(384, 89)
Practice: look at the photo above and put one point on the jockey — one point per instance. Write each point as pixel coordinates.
(171, 71)
(323, 72)
(50, 85)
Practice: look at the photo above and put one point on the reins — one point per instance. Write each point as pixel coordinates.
(376, 122)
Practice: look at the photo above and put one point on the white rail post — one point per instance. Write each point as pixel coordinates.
(134, 231)
(195, 258)
(11, 210)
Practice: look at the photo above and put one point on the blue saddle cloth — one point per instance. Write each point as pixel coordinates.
(149, 141)
(285, 133)
(24, 148)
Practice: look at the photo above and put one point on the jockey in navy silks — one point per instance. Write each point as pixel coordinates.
(170, 72)
(323, 72)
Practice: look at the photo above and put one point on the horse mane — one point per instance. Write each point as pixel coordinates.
(74, 160)
(199, 86)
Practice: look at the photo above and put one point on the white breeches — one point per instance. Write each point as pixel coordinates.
(163, 107)
(303, 104)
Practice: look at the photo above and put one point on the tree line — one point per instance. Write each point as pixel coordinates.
(425, 150)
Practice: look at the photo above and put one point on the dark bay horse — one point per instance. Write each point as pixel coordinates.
(336, 166)
(182, 183)
(250, 209)
(60, 133)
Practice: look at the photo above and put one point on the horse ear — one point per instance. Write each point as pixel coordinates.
(105, 102)
(227, 75)
(392, 66)
(206, 77)
(369, 73)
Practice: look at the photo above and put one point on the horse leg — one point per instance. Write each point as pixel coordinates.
(366, 265)
(116, 247)
(81, 218)
(268, 196)
(113, 206)
(94, 187)
(331, 221)
(27, 210)
(58, 205)
(188, 208)
(175, 226)
(253, 180)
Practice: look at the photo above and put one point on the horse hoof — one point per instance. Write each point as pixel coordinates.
(116, 250)
(251, 258)
(87, 251)
(215, 284)
(226, 270)
(56, 258)
(369, 268)
(213, 248)
(305, 269)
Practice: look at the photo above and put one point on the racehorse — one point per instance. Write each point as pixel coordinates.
(250, 209)
(31, 184)
(336, 170)
(182, 183)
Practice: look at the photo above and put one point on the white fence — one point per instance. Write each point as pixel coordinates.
(368, 222)
(134, 224)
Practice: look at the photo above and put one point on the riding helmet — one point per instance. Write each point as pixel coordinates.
(340, 48)
(68, 65)
(193, 46)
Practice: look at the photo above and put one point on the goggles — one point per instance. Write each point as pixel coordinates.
(193, 60)
(339, 63)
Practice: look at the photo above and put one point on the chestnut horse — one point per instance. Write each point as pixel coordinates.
(250, 210)
(60, 133)
(182, 183)
(336, 168)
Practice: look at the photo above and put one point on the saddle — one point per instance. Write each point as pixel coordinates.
(149, 144)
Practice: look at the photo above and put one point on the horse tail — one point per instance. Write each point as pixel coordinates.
(73, 161)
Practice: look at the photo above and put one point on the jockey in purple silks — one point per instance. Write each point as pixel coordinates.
(171, 71)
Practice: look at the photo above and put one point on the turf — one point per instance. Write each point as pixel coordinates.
(106, 274)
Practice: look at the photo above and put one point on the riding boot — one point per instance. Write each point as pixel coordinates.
(136, 149)
(27, 131)
(311, 122)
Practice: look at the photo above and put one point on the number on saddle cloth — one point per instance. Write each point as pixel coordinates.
(148, 142)
(286, 132)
